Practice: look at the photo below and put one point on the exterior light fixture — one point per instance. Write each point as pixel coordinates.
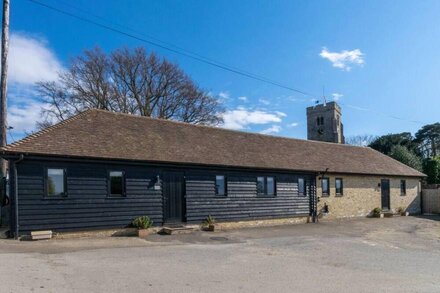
(157, 185)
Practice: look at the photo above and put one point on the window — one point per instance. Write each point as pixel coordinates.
(339, 186)
(320, 120)
(260, 185)
(402, 187)
(266, 186)
(220, 185)
(270, 186)
(325, 187)
(56, 182)
(116, 179)
(301, 187)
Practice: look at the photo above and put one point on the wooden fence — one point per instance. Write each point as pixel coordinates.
(431, 201)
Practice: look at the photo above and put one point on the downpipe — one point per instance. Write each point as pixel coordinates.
(21, 158)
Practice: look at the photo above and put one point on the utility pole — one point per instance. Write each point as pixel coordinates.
(3, 82)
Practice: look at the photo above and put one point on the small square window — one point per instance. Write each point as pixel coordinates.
(301, 187)
(402, 187)
(117, 183)
(220, 185)
(339, 186)
(325, 187)
(56, 182)
(266, 186)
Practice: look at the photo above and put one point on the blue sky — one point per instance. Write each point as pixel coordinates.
(380, 58)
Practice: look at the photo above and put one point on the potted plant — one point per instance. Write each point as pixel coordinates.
(377, 213)
(402, 212)
(142, 224)
(209, 224)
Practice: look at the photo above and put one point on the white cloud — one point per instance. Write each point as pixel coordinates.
(30, 60)
(343, 59)
(241, 118)
(337, 96)
(264, 101)
(224, 95)
(23, 118)
(272, 129)
(281, 114)
(294, 124)
(243, 99)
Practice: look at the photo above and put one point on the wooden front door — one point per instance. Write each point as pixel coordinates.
(385, 194)
(173, 197)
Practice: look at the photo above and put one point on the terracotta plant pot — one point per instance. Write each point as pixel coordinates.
(209, 228)
(143, 233)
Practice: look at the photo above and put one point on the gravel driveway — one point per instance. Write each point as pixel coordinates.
(367, 255)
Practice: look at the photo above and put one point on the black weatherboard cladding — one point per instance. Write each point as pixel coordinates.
(88, 206)
(241, 201)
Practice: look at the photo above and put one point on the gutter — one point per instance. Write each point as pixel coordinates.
(21, 158)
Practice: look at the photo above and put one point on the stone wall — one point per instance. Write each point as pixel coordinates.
(361, 194)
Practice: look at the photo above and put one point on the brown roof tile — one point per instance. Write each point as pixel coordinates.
(102, 134)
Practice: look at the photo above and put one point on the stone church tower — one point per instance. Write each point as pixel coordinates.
(324, 123)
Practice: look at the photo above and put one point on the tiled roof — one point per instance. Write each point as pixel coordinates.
(108, 135)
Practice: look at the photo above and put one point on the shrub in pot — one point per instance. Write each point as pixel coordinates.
(402, 211)
(209, 223)
(377, 212)
(142, 224)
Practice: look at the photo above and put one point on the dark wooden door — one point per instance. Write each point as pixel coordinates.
(385, 193)
(173, 197)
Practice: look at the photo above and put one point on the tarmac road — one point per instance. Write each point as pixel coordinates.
(367, 255)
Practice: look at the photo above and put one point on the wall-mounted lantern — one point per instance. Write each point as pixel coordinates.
(325, 208)
(157, 184)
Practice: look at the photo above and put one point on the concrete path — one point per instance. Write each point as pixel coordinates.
(369, 255)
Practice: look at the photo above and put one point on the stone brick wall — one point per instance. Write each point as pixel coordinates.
(361, 194)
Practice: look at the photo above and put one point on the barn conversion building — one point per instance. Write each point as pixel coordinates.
(101, 169)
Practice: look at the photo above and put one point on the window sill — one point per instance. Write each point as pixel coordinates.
(116, 196)
(339, 194)
(58, 197)
(325, 195)
(266, 195)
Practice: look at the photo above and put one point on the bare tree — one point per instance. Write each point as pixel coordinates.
(128, 81)
(360, 140)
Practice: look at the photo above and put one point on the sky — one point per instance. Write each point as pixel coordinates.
(378, 59)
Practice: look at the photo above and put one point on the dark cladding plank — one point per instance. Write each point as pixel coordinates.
(87, 205)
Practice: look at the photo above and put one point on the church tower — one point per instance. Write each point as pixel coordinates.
(324, 123)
